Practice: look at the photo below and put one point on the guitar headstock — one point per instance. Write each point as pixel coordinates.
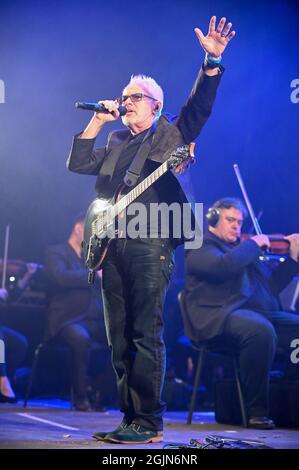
(182, 158)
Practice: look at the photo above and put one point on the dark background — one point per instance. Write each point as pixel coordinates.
(53, 53)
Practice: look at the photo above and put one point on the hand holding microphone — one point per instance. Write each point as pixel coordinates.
(106, 110)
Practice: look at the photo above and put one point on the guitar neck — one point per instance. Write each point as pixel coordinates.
(140, 188)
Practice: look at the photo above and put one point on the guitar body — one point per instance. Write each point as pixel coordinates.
(96, 229)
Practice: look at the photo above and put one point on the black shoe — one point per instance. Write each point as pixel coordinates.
(82, 405)
(136, 434)
(102, 436)
(261, 422)
(6, 399)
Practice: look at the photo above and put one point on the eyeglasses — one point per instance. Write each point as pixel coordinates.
(135, 97)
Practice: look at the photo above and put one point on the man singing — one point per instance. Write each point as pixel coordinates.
(136, 271)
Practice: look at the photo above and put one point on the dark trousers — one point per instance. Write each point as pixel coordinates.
(255, 336)
(79, 337)
(15, 350)
(135, 278)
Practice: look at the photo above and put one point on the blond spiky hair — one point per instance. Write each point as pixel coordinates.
(150, 85)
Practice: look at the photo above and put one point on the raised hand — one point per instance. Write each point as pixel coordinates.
(215, 42)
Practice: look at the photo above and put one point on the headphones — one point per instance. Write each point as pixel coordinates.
(212, 216)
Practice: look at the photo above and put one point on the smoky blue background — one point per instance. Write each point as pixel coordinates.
(55, 53)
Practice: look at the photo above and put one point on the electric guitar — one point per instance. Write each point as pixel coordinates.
(99, 227)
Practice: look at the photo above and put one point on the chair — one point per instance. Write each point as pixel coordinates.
(58, 347)
(211, 347)
(50, 344)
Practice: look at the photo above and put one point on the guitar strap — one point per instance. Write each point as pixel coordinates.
(133, 172)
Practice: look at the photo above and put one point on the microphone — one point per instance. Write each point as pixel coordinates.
(99, 108)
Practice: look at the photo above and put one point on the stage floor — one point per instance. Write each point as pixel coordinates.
(51, 425)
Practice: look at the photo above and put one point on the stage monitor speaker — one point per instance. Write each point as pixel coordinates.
(284, 403)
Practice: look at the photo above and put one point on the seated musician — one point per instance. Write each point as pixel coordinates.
(232, 295)
(75, 313)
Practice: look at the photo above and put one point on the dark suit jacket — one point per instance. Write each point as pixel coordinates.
(71, 298)
(170, 133)
(219, 281)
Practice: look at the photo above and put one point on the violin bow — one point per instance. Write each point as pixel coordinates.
(3, 283)
(254, 219)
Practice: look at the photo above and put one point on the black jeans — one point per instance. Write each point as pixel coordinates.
(255, 336)
(135, 278)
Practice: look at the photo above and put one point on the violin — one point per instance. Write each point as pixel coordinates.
(14, 267)
(279, 245)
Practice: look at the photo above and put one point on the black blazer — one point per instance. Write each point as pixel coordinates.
(170, 133)
(219, 281)
(70, 295)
